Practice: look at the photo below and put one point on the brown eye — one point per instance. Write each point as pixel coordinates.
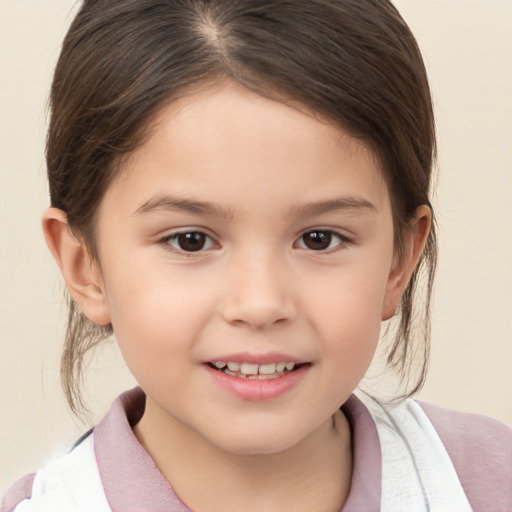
(320, 240)
(317, 240)
(190, 241)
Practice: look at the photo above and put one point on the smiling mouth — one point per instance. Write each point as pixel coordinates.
(255, 371)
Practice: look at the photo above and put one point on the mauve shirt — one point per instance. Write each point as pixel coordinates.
(480, 449)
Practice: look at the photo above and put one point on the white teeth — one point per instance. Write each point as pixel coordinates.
(248, 369)
(263, 377)
(254, 371)
(267, 369)
(240, 376)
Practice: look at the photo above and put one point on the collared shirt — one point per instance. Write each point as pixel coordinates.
(480, 449)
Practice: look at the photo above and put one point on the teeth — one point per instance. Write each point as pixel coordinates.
(264, 377)
(267, 369)
(227, 372)
(254, 371)
(249, 369)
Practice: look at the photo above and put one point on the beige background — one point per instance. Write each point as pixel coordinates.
(468, 49)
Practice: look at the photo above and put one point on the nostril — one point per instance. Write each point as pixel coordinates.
(258, 318)
(258, 303)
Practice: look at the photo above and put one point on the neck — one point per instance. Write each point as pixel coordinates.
(312, 475)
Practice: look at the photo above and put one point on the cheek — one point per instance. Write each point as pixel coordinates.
(155, 317)
(350, 349)
(348, 316)
(352, 326)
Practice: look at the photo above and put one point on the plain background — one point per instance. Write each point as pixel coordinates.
(467, 46)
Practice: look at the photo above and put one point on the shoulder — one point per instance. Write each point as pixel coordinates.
(19, 491)
(481, 451)
(69, 483)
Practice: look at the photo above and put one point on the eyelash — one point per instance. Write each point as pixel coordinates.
(332, 234)
(171, 242)
(167, 241)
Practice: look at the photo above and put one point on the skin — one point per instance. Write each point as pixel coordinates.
(269, 174)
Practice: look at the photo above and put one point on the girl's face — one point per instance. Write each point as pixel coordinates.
(245, 231)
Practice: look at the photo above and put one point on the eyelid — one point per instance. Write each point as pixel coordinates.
(344, 240)
(165, 240)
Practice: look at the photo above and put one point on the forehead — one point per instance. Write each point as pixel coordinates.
(224, 137)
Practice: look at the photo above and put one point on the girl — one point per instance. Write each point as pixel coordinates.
(240, 193)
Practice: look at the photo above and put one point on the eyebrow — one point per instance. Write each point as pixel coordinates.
(191, 206)
(351, 204)
(165, 202)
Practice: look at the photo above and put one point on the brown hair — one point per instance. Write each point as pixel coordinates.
(354, 62)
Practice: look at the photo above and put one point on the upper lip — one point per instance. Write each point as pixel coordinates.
(263, 358)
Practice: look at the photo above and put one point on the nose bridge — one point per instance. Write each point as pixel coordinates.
(259, 292)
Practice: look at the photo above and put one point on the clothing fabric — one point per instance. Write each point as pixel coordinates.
(417, 473)
(110, 470)
(70, 483)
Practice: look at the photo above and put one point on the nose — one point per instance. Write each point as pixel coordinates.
(259, 294)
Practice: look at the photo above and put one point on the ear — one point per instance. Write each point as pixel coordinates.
(80, 271)
(415, 238)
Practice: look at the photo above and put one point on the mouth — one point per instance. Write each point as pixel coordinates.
(253, 371)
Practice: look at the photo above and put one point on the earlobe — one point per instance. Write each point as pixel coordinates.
(81, 274)
(414, 242)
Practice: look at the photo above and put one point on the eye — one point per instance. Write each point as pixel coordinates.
(320, 240)
(189, 241)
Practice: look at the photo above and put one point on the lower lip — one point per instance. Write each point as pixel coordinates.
(256, 390)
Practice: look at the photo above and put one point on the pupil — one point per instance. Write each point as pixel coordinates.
(191, 241)
(317, 240)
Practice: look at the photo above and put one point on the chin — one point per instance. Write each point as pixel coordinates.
(262, 442)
